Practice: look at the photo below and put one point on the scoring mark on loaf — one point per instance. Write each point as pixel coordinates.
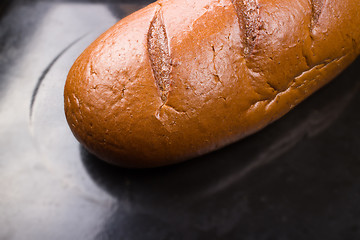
(248, 13)
(158, 48)
(316, 9)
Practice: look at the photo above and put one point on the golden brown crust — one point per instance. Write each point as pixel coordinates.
(181, 78)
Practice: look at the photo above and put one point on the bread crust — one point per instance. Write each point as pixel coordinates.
(181, 78)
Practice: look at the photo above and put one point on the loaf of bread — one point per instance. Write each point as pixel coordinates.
(181, 78)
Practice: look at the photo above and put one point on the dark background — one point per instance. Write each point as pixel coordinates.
(297, 179)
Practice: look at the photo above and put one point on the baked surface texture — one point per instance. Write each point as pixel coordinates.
(180, 78)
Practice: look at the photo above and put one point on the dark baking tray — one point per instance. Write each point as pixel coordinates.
(297, 179)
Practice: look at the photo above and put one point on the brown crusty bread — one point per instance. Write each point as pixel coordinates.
(181, 78)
